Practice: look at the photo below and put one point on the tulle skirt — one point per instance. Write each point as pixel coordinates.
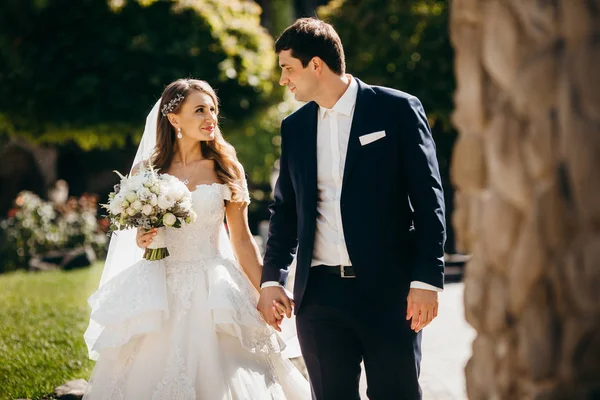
(186, 330)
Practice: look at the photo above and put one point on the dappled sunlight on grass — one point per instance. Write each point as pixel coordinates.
(43, 319)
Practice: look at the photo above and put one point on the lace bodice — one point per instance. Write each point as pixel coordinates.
(200, 240)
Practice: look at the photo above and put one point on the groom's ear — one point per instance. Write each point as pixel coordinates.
(316, 64)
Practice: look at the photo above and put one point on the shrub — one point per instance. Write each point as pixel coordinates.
(35, 227)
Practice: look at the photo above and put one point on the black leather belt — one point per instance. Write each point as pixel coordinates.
(343, 271)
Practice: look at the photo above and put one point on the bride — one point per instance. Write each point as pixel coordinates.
(200, 335)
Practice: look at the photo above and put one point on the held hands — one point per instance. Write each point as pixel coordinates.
(422, 308)
(144, 238)
(274, 304)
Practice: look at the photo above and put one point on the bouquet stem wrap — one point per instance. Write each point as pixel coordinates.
(157, 250)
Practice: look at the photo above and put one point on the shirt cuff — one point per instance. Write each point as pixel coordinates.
(421, 285)
(270, 284)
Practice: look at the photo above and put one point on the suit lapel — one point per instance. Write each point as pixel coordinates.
(310, 131)
(364, 110)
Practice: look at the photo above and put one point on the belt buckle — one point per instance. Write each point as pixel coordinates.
(343, 273)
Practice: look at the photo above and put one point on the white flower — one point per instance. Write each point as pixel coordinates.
(169, 219)
(165, 202)
(131, 211)
(144, 193)
(136, 181)
(125, 204)
(191, 218)
(131, 197)
(115, 208)
(186, 204)
(178, 190)
(118, 198)
(136, 205)
(147, 209)
(154, 200)
(46, 211)
(71, 217)
(155, 188)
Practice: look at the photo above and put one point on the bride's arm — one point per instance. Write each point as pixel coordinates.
(242, 241)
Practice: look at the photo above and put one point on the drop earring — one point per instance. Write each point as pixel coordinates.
(179, 135)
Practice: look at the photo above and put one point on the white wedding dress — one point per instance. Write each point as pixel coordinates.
(187, 328)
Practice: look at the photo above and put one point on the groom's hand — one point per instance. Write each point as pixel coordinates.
(268, 297)
(422, 308)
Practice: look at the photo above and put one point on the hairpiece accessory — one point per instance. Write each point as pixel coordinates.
(170, 106)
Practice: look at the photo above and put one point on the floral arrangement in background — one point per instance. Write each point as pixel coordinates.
(35, 227)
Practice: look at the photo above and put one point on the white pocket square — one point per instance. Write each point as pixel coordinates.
(371, 137)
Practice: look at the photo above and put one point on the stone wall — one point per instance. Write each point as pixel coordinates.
(527, 171)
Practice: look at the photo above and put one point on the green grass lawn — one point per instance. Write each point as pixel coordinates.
(42, 320)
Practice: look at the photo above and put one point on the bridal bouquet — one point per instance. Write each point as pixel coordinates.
(150, 200)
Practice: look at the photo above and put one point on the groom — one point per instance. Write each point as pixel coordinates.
(359, 194)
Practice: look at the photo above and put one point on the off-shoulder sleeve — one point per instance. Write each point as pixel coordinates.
(242, 195)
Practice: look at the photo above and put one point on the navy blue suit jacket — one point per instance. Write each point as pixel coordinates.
(392, 202)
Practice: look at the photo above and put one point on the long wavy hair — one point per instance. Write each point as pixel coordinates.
(227, 166)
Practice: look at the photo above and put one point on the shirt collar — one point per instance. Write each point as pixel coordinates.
(345, 105)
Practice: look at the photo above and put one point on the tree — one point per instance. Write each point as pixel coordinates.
(89, 71)
(402, 44)
(306, 8)
(277, 15)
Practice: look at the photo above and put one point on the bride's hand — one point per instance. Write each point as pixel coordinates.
(278, 310)
(144, 238)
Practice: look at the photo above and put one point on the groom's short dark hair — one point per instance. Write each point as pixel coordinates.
(310, 37)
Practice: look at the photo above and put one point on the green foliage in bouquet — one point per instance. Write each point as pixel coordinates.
(36, 227)
(90, 71)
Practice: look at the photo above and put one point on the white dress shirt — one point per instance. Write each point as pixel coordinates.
(333, 134)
